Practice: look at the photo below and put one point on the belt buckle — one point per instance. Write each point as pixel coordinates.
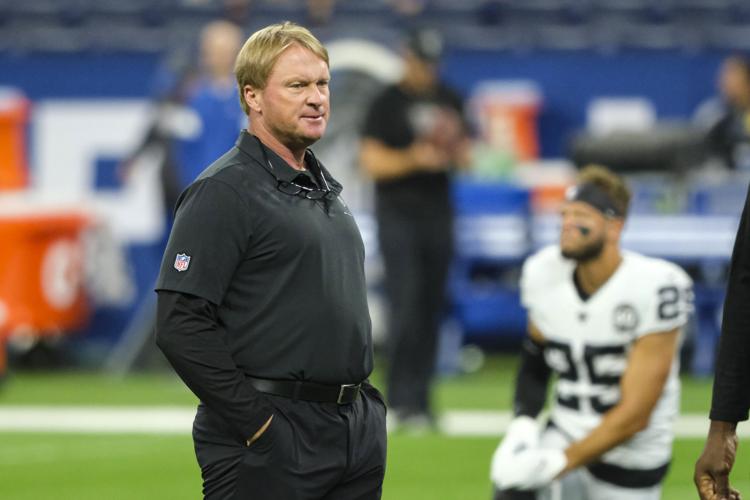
(342, 390)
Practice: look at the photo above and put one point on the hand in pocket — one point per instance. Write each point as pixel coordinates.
(260, 432)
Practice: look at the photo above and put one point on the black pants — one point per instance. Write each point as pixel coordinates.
(311, 451)
(417, 255)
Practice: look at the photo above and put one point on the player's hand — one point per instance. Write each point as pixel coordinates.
(260, 432)
(712, 469)
(522, 434)
(531, 469)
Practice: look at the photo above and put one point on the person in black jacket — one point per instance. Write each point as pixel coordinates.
(262, 304)
(731, 391)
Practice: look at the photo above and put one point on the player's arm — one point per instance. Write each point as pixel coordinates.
(641, 385)
(383, 162)
(523, 433)
(533, 376)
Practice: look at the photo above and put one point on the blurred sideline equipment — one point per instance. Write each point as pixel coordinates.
(623, 133)
(662, 148)
(41, 257)
(42, 279)
(507, 115)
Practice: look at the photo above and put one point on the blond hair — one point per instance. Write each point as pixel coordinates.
(261, 51)
(609, 182)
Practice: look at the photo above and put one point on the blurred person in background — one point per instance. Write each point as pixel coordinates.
(731, 390)
(319, 12)
(262, 302)
(608, 323)
(171, 122)
(407, 12)
(414, 137)
(725, 119)
(213, 99)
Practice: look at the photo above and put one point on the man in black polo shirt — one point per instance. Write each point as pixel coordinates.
(262, 304)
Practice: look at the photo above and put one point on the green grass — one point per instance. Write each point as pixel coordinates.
(490, 388)
(74, 466)
(457, 469)
(95, 467)
(77, 388)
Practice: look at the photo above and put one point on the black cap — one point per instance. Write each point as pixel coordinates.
(426, 44)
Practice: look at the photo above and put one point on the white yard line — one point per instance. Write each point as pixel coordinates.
(97, 420)
(179, 420)
(493, 423)
(28, 453)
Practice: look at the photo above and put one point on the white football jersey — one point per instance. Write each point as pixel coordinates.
(588, 342)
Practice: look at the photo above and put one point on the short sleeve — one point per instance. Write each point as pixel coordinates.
(668, 303)
(210, 236)
(376, 124)
(532, 282)
(526, 285)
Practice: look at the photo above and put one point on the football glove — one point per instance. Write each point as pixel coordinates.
(530, 469)
(523, 433)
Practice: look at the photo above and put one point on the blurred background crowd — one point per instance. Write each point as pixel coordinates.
(109, 109)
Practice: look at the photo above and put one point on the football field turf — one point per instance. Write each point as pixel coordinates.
(44, 465)
(94, 467)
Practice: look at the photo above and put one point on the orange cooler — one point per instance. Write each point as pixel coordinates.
(42, 287)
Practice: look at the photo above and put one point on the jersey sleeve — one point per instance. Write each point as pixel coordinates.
(668, 302)
(210, 236)
(526, 284)
(532, 281)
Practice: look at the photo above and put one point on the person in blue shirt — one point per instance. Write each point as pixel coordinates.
(213, 100)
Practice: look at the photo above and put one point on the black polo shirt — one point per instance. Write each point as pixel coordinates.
(285, 272)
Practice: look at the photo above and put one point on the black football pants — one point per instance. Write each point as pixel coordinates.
(311, 451)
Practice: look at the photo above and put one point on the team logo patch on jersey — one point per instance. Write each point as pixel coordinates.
(181, 262)
(625, 318)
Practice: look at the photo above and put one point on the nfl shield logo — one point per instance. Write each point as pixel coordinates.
(181, 262)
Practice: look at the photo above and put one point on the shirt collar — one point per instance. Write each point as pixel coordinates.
(251, 146)
(248, 144)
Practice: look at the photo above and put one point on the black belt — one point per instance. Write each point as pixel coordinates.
(308, 391)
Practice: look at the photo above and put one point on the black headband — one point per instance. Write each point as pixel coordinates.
(596, 197)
